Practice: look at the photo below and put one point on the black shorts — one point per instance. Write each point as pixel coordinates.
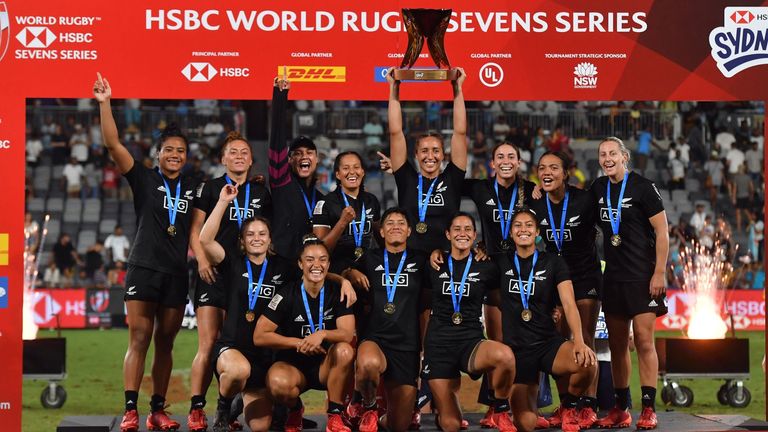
(448, 361)
(210, 294)
(743, 203)
(630, 298)
(587, 288)
(152, 286)
(402, 366)
(530, 360)
(309, 367)
(260, 364)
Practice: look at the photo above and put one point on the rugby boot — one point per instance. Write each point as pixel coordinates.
(570, 420)
(647, 419)
(587, 418)
(336, 424)
(555, 420)
(196, 420)
(130, 421)
(503, 422)
(369, 422)
(159, 421)
(616, 418)
(487, 421)
(293, 422)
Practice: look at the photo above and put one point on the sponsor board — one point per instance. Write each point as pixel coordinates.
(314, 73)
(746, 306)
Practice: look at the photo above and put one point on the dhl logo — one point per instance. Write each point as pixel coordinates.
(4, 249)
(314, 73)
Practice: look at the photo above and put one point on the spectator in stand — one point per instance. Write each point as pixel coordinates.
(742, 194)
(744, 133)
(48, 130)
(683, 151)
(501, 129)
(52, 276)
(65, 255)
(699, 218)
(754, 158)
(79, 151)
(735, 159)
(133, 112)
(644, 143)
(73, 178)
(539, 143)
(31, 233)
(373, 131)
(576, 177)
(59, 147)
(117, 245)
(116, 275)
(755, 230)
(110, 180)
(34, 148)
(97, 141)
(725, 140)
(676, 169)
(560, 142)
(212, 132)
(758, 137)
(707, 234)
(715, 174)
(94, 259)
(696, 140)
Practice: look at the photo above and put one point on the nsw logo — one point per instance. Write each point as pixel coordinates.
(199, 71)
(585, 76)
(742, 41)
(5, 29)
(35, 36)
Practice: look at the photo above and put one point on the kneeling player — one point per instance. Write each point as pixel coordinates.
(313, 343)
(530, 287)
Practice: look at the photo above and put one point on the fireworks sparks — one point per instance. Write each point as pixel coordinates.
(31, 265)
(704, 277)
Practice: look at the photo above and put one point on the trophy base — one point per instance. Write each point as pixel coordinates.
(426, 74)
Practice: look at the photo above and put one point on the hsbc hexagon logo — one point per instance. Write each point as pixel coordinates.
(36, 37)
(742, 17)
(5, 29)
(44, 308)
(199, 71)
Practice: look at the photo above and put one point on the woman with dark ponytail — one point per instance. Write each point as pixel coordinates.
(156, 282)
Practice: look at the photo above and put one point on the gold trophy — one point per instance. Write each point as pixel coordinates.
(429, 24)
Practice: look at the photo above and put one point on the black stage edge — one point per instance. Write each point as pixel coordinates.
(668, 421)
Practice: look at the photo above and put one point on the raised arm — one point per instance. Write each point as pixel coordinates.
(213, 250)
(103, 94)
(279, 169)
(459, 137)
(398, 149)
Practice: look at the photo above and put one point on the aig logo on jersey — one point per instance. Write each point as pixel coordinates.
(366, 228)
(566, 233)
(244, 213)
(604, 214)
(402, 280)
(447, 288)
(496, 215)
(267, 291)
(436, 200)
(306, 330)
(514, 287)
(182, 204)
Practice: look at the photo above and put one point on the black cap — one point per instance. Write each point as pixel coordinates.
(302, 142)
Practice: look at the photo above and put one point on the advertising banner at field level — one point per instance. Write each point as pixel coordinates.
(746, 306)
(536, 50)
(63, 308)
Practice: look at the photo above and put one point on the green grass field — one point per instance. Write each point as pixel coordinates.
(94, 385)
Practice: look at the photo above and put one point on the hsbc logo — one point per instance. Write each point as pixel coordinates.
(742, 17)
(199, 72)
(45, 308)
(5, 144)
(36, 37)
(5, 29)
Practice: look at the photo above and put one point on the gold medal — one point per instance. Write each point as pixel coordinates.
(456, 318)
(358, 252)
(421, 227)
(505, 245)
(526, 315)
(250, 316)
(615, 240)
(389, 308)
(171, 230)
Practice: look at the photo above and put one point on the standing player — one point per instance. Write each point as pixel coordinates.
(346, 218)
(251, 280)
(430, 196)
(211, 294)
(389, 347)
(496, 200)
(291, 178)
(454, 340)
(636, 244)
(313, 342)
(157, 266)
(567, 216)
(530, 289)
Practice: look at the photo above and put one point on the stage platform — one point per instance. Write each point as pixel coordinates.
(668, 421)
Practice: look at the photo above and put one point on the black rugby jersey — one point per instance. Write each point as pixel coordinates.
(482, 277)
(635, 258)
(260, 204)
(328, 212)
(153, 247)
(483, 194)
(549, 272)
(443, 203)
(400, 329)
(579, 233)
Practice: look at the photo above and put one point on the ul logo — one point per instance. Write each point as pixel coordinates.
(491, 74)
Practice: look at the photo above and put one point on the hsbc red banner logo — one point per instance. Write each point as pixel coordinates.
(746, 306)
(62, 307)
(5, 29)
(204, 72)
(36, 37)
(742, 17)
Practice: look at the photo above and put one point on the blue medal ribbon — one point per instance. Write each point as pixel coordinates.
(391, 285)
(253, 294)
(242, 217)
(173, 204)
(309, 207)
(525, 291)
(424, 204)
(505, 220)
(617, 220)
(312, 328)
(456, 296)
(559, 238)
(357, 234)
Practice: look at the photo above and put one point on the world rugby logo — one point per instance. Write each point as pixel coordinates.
(742, 41)
(5, 29)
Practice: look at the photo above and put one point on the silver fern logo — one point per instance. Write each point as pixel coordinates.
(585, 76)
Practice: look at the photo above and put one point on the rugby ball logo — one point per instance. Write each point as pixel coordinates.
(5, 29)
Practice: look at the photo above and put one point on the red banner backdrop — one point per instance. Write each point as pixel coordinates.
(746, 306)
(550, 50)
(63, 308)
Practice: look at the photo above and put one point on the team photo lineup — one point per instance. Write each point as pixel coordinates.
(386, 308)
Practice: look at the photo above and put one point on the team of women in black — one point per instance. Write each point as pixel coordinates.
(278, 272)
